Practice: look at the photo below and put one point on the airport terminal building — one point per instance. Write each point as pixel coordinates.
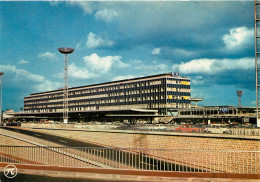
(150, 95)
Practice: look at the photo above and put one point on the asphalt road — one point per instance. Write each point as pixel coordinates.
(53, 138)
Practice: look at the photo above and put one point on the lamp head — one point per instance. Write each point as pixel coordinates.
(240, 93)
(65, 50)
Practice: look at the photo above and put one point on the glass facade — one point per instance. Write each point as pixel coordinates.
(158, 92)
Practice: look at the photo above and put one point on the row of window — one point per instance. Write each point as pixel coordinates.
(123, 87)
(104, 108)
(177, 89)
(97, 95)
(178, 86)
(114, 96)
(100, 89)
(178, 101)
(107, 103)
(174, 91)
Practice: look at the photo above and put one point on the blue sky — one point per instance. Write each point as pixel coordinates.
(211, 42)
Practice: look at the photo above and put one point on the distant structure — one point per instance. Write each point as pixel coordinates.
(65, 51)
(195, 100)
(239, 94)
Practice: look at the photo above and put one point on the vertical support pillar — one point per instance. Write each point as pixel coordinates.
(257, 57)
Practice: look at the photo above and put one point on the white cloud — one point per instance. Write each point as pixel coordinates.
(212, 66)
(197, 80)
(123, 77)
(119, 64)
(237, 37)
(47, 85)
(156, 51)
(87, 7)
(183, 53)
(37, 82)
(78, 46)
(95, 66)
(23, 62)
(100, 63)
(104, 64)
(79, 72)
(106, 15)
(47, 55)
(7, 68)
(136, 62)
(153, 68)
(94, 41)
(20, 74)
(199, 93)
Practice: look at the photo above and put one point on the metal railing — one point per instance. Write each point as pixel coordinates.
(176, 160)
(245, 131)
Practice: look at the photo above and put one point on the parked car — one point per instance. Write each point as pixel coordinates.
(189, 129)
(13, 124)
(217, 130)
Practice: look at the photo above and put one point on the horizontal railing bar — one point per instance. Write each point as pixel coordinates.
(204, 150)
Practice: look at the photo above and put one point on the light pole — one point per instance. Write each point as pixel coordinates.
(1, 74)
(65, 51)
(239, 94)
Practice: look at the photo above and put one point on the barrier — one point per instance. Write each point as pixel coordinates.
(245, 131)
(175, 160)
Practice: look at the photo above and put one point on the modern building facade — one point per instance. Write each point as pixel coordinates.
(218, 114)
(157, 94)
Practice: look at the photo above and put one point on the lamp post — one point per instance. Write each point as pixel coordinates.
(1, 74)
(239, 94)
(65, 51)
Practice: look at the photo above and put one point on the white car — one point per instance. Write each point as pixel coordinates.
(217, 130)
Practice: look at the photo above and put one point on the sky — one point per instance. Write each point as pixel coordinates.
(211, 42)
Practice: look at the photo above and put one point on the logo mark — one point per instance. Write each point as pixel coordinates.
(10, 171)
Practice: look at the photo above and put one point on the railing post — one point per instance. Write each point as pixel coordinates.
(246, 162)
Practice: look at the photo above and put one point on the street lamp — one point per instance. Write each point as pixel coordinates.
(239, 94)
(1, 74)
(65, 51)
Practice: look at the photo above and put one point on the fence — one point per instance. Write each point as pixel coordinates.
(244, 162)
(245, 131)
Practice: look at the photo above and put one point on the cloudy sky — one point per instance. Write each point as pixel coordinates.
(210, 42)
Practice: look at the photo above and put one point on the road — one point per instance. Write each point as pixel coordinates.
(53, 138)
